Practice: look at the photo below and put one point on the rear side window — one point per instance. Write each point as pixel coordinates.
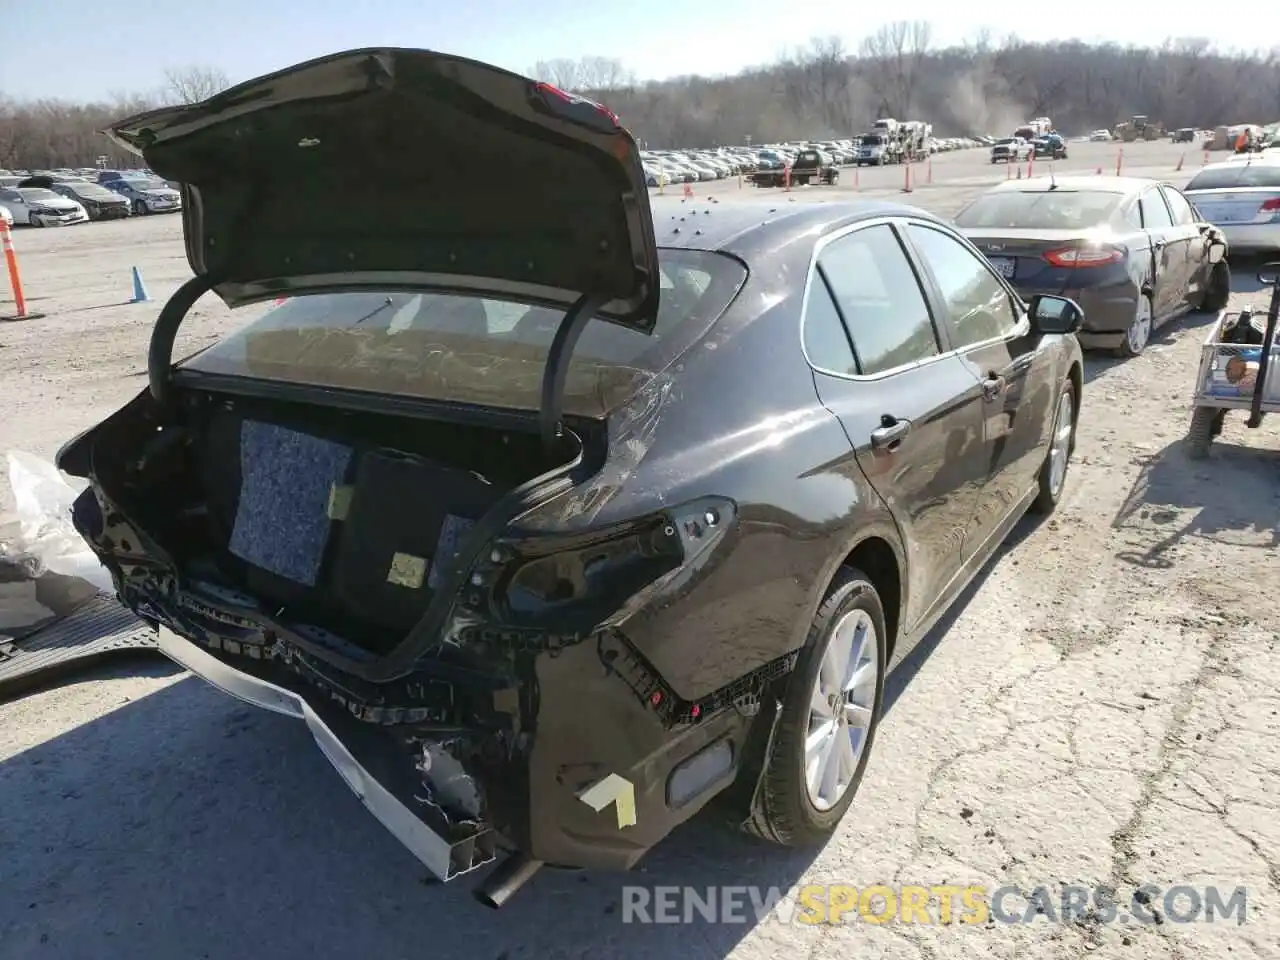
(1154, 213)
(880, 299)
(825, 341)
(1236, 175)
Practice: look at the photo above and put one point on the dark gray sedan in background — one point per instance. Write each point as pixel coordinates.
(1133, 252)
(99, 202)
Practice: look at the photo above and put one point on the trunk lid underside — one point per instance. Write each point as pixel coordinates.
(408, 169)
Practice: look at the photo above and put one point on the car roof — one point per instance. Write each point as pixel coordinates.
(749, 230)
(1094, 184)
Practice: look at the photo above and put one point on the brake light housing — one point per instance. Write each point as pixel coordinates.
(1271, 206)
(1077, 257)
(580, 582)
(574, 108)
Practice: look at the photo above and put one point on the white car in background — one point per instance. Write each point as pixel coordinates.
(41, 207)
(1242, 198)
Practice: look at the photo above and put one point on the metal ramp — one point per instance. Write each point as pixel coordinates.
(97, 629)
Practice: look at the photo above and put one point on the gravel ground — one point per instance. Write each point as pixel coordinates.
(1102, 709)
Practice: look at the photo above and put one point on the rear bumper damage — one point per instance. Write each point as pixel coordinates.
(444, 850)
(613, 762)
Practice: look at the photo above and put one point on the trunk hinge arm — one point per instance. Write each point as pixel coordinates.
(557, 371)
(165, 332)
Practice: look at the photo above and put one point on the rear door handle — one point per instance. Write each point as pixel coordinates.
(993, 386)
(891, 435)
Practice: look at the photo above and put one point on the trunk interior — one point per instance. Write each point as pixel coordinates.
(344, 520)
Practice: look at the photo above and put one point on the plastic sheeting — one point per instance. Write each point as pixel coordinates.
(41, 539)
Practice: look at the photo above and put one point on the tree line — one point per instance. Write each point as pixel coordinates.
(983, 86)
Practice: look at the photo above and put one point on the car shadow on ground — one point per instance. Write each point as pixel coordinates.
(1229, 499)
(188, 824)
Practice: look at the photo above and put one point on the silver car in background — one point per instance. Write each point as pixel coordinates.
(1242, 198)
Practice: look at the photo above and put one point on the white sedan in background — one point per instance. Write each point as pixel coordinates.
(41, 207)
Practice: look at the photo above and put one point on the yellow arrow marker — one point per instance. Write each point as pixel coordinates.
(616, 790)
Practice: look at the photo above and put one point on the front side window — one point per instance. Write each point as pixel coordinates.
(979, 307)
(880, 299)
(1181, 209)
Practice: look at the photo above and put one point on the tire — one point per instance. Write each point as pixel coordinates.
(788, 813)
(1138, 335)
(1206, 423)
(1057, 459)
(1218, 290)
(139, 208)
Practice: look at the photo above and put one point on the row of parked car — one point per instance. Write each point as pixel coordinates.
(692, 166)
(54, 198)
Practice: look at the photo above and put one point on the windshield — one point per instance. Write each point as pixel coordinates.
(872, 141)
(1043, 209)
(1005, 142)
(37, 194)
(469, 350)
(1237, 175)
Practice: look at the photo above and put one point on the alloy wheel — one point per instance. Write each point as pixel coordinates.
(1060, 444)
(841, 708)
(1139, 332)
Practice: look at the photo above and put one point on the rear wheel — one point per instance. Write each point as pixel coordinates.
(829, 716)
(1138, 334)
(1218, 291)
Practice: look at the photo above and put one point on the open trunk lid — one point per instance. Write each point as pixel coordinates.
(396, 168)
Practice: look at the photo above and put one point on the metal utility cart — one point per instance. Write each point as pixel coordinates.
(1239, 368)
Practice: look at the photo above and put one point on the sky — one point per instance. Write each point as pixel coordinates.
(65, 50)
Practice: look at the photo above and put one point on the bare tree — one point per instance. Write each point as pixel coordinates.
(194, 83)
(583, 75)
(899, 50)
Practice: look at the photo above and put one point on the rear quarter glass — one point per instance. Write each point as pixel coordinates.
(452, 348)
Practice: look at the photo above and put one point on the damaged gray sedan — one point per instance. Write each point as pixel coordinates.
(543, 518)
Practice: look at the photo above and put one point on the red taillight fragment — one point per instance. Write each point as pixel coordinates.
(1084, 256)
(1270, 206)
(569, 106)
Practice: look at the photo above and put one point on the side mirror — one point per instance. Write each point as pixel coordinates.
(1055, 315)
(1217, 252)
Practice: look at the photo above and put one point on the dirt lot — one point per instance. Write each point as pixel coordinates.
(1102, 710)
